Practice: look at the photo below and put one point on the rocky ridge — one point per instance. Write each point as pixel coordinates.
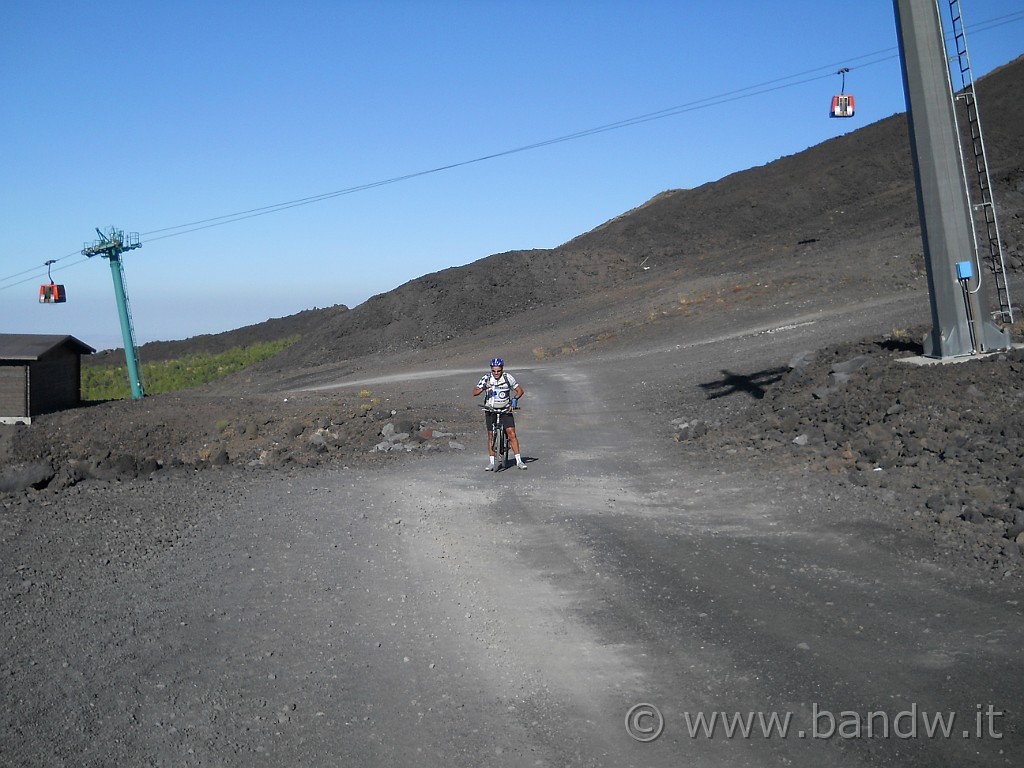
(940, 445)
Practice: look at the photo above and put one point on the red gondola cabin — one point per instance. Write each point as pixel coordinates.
(52, 294)
(842, 105)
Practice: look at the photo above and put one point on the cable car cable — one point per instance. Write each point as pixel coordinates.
(710, 101)
(704, 103)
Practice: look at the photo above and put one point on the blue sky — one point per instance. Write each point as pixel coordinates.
(151, 116)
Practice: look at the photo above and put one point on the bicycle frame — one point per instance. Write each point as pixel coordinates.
(500, 443)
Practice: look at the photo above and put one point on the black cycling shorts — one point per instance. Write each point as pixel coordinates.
(507, 420)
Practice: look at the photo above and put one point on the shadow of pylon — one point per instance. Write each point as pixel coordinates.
(754, 384)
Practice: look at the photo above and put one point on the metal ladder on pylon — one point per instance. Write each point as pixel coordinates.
(980, 194)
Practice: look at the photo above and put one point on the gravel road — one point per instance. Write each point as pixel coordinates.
(421, 611)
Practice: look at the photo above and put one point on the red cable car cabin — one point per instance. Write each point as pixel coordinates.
(842, 105)
(52, 294)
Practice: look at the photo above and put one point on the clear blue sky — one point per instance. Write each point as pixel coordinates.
(149, 116)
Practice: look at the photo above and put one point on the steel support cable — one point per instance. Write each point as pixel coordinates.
(711, 101)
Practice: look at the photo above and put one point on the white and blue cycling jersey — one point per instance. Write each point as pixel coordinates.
(498, 391)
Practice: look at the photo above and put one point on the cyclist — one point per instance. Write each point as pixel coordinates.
(503, 393)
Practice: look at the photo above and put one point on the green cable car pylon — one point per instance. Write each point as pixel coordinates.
(110, 246)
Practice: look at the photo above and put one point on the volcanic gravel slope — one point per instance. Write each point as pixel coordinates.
(847, 206)
(941, 445)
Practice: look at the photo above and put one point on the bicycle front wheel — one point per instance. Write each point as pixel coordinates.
(497, 443)
(506, 448)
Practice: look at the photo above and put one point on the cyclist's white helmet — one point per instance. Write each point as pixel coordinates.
(497, 362)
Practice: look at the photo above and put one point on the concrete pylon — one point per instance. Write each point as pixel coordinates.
(960, 324)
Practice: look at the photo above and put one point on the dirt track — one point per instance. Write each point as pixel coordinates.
(417, 610)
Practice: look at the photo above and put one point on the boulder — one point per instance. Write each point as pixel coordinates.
(21, 477)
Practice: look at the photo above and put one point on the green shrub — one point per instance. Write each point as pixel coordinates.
(111, 383)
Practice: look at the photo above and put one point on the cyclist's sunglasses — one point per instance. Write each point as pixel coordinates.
(495, 369)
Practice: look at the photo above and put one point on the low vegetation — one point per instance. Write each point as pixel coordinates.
(111, 383)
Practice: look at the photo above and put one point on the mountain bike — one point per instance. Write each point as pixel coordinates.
(499, 438)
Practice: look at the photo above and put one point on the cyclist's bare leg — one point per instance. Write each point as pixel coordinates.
(490, 452)
(511, 432)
